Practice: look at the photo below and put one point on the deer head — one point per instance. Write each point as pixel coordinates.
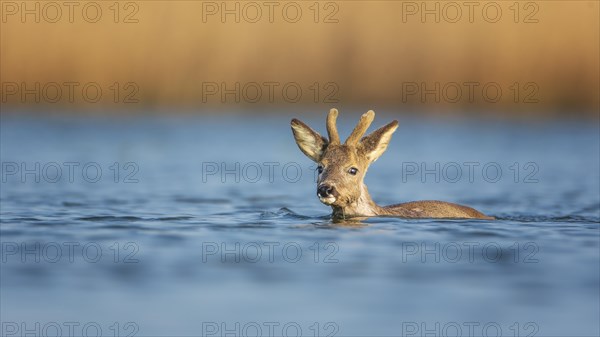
(342, 167)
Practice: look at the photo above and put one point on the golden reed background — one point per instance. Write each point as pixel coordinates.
(168, 55)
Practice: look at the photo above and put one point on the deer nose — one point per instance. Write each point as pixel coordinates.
(324, 191)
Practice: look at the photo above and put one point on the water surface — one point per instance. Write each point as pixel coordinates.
(168, 241)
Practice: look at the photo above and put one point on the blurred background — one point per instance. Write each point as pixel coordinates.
(509, 58)
(153, 138)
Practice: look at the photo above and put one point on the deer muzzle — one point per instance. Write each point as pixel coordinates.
(327, 194)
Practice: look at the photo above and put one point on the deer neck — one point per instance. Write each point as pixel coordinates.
(363, 206)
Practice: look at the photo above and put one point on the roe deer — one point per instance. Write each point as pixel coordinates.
(342, 169)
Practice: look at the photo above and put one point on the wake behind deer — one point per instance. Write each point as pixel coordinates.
(342, 169)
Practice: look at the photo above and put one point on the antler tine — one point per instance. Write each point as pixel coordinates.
(334, 137)
(365, 121)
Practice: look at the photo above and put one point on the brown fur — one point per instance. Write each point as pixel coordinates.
(349, 195)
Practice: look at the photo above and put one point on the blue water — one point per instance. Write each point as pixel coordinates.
(167, 243)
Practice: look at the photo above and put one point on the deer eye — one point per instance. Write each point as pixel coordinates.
(353, 171)
(320, 169)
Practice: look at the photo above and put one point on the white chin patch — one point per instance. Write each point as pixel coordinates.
(328, 200)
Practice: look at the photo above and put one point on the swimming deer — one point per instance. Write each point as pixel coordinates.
(342, 169)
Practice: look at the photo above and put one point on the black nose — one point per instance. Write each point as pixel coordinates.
(324, 191)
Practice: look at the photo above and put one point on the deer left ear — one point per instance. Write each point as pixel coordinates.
(375, 144)
(310, 142)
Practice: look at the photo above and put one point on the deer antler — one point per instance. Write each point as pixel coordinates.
(334, 137)
(365, 121)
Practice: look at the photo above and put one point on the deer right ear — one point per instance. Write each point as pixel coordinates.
(376, 143)
(310, 142)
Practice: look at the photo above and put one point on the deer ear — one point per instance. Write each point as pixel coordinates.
(373, 145)
(310, 142)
